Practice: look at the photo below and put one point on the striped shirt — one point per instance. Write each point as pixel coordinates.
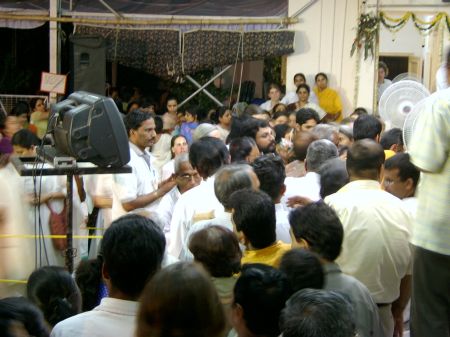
(429, 151)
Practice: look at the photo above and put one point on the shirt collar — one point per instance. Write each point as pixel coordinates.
(137, 150)
(114, 305)
(361, 185)
(331, 267)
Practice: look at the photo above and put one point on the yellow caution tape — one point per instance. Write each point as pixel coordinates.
(31, 236)
(13, 281)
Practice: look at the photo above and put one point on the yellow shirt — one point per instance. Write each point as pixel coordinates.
(270, 255)
(330, 101)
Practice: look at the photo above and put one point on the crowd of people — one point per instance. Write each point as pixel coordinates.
(279, 219)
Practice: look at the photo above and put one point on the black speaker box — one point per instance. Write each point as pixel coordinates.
(87, 64)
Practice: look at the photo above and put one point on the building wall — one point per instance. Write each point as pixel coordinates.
(324, 37)
(323, 42)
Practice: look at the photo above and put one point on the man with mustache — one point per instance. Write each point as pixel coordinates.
(141, 190)
(261, 132)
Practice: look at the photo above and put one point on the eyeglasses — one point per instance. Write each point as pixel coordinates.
(188, 176)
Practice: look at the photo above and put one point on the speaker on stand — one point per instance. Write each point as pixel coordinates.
(87, 64)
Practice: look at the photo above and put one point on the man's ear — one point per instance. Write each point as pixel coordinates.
(105, 273)
(302, 243)
(409, 183)
(282, 189)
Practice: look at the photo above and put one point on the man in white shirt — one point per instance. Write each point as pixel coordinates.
(430, 152)
(139, 191)
(376, 247)
(319, 151)
(229, 179)
(132, 251)
(271, 174)
(206, 155)
(186, 178)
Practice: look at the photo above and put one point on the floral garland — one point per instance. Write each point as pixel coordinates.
(369, 25)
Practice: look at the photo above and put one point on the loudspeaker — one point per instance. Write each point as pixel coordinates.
(88, 64)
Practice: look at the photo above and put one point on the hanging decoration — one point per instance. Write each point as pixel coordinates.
(369, 25)
(367, 33)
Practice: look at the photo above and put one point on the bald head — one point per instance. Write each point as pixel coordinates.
(364, 160)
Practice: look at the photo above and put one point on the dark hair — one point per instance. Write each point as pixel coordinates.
(317, 313)
(359, 111)
(254, 215)
(320, 74)
(193, 110)
(280, 113)
(301, 75)
(280, 131)
(207, 155)
(304, 86)
(406, 169)
(55, 292)
(383, 65)
(180, 300)
(171, 98)
(251, 126)
(305, 114)
(240, 148)
(236, 126)
(303, 269)
(158, 124)
(391, 137)
(131, 103)
(261, 291)
(302, 140)
(34, 101)
(220, 111)
(25, 138)
(271, 174)
(365, 156)
(333, 175)
(318, 224)
(20, 108)
(274, 86)
(132, 250)
(19, 309)
(217, 249)
(88, 276)
(134, 119)
(366, 126)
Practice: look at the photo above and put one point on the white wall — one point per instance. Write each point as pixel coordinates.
(323, 41)
(407, 40)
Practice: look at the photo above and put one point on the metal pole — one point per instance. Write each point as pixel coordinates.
(206, 92)
(54, 52)
(69, 253)
(204, 86)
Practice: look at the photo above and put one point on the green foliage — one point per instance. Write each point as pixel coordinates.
(272, 70)
(366, 35)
